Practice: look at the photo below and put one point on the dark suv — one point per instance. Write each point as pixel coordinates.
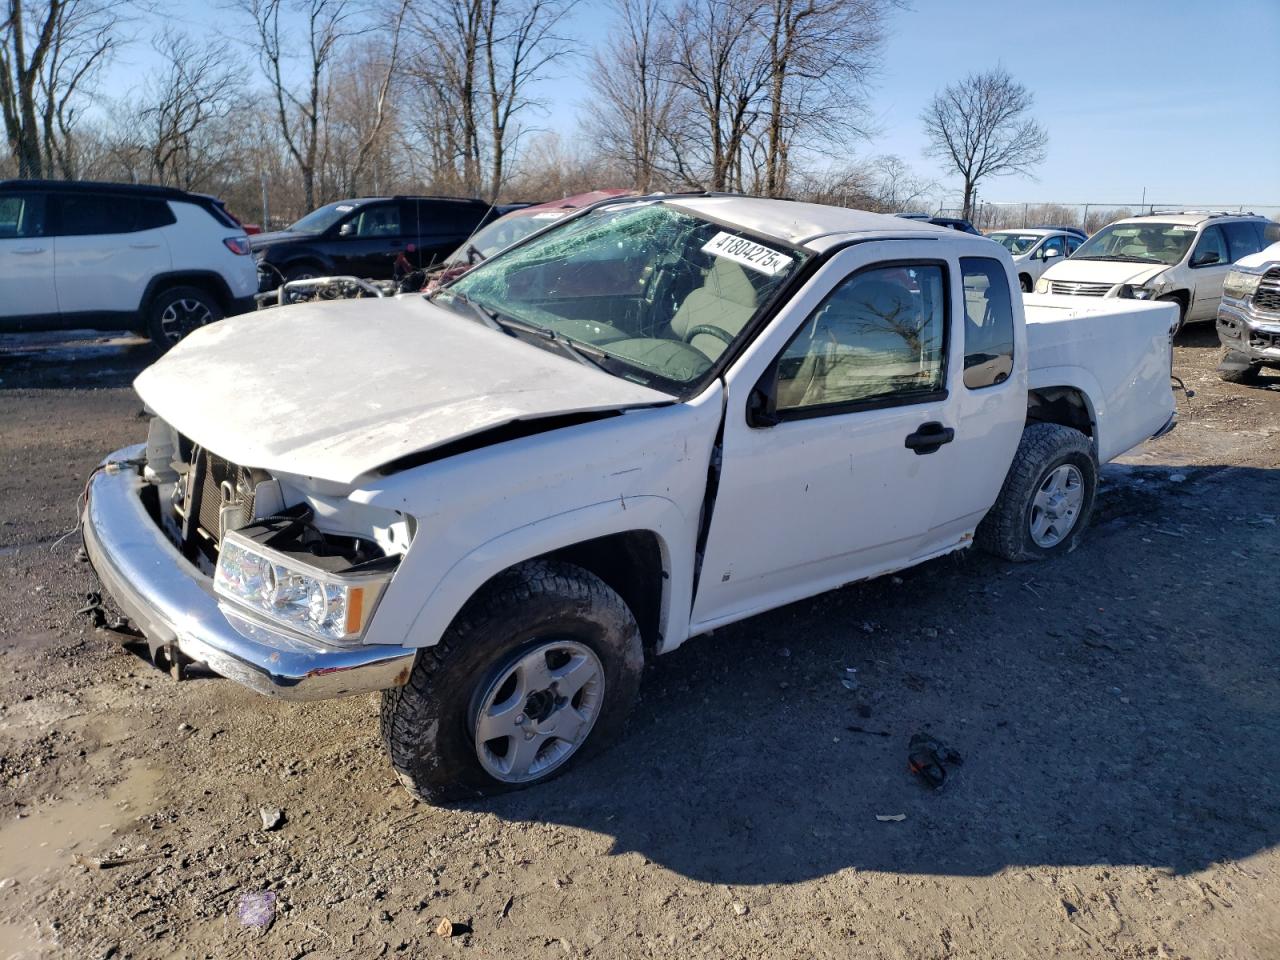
(363, 237)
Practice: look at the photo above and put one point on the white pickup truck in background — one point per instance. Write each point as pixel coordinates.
(661, 416)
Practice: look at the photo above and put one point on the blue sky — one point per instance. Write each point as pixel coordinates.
(1175, 96)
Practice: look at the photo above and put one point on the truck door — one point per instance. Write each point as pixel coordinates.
(851, 445)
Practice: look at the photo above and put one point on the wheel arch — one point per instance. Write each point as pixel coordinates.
(1068, 396)
(207, 280)
(633, 545)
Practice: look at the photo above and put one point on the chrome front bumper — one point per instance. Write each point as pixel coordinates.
(1254, 336)
(172, 602)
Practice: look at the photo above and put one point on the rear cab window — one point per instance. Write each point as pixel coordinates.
(988, 323)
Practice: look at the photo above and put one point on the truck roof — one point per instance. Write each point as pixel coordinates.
(813, 225)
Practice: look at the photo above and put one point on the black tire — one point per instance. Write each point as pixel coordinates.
(1024, 281)
(1182, 312)
(175, 312)
(427, 725)
(302, 271)
(1246, 376)
(1006, 529)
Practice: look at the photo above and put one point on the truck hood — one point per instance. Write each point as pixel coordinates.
(335, 390)
(1103, 271)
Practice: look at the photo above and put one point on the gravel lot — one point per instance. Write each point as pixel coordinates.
(1118, 712)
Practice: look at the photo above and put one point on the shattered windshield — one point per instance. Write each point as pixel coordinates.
(1165, 243)
(1015, 243)
(651, 292)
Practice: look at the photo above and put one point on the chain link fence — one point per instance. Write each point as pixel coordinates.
(990, 215)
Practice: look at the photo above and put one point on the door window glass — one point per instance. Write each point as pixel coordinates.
(879, 336)
(1242, 238)
(988, 323)
(86, 214)
(1073, 244)
(382, 220)
(21, 215)
(1211, 242)
(1053, 243)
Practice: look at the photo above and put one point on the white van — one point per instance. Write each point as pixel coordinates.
(1179, 257)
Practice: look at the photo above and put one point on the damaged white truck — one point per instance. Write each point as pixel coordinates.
(658, 417)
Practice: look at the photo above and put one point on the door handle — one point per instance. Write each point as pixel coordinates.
(29, 251)
(143, 246)
(929, 438)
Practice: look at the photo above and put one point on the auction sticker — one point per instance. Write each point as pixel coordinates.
(757, 256)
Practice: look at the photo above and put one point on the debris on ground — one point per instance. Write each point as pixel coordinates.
(926, 756)
(445, 928)
(891, 817)
(272, 818)
(257, 909)
(850, 679)
(740, 908)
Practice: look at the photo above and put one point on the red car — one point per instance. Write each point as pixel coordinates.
(507, 230)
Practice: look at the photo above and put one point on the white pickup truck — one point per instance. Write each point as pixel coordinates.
(658, 417)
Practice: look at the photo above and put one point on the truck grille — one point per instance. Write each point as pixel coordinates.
(210, 475)
(1267, 296)
(1067, 288)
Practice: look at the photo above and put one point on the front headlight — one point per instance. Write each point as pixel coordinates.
(331, 607)
(1042, 285)
(1128, 291)
(1240, 285)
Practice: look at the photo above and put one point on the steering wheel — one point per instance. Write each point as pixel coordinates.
(722, 335)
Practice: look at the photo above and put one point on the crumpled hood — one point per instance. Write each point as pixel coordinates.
(335, 390)
(1103, 271)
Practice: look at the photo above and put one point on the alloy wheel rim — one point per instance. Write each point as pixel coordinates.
(538, 710)
(182, 316)
(1056, 506)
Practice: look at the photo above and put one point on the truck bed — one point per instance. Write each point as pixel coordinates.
(1118, 351)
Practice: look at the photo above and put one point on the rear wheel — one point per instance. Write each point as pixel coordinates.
(175, 312)
(540, 668)
(1047, 496)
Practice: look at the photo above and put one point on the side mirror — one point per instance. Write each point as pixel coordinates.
(1055, 252)
(1208, 258)
(346, 230)
(762, 405)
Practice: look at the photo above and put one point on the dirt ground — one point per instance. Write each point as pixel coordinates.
(1118, 712)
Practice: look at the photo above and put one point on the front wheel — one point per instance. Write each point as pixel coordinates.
(540, 668)
(1182, 313)
(1047, 496)
(1025, 281)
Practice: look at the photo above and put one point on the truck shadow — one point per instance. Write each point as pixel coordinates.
(71, 359)
(1120, 705)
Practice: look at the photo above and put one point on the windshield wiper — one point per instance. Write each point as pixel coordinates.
(1124, 258)
(591, 356)
(486, 317)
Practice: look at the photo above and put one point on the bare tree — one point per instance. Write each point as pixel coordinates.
(520, 42)
(634, 96)
(721, 68)
(981, 128)
(198, 86)
(822, 56)
(49, 52)
(320, 28)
